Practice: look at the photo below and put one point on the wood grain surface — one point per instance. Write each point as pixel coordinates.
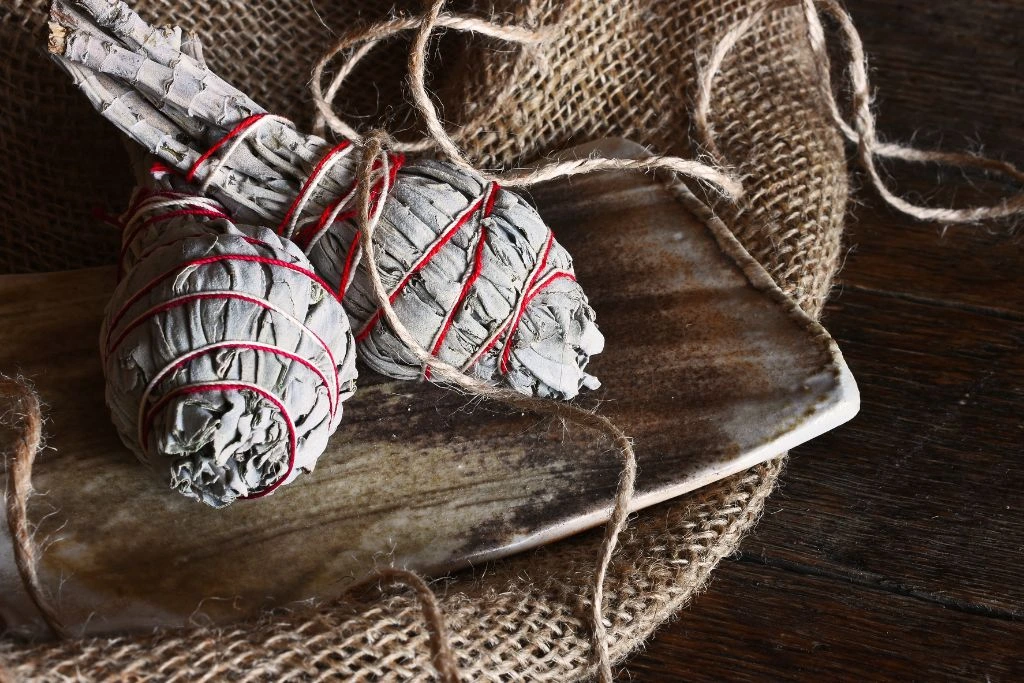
(893, 548)
(708, 365)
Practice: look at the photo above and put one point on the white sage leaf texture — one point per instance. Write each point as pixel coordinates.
(476, 277)
(524, 322)
(226, 358)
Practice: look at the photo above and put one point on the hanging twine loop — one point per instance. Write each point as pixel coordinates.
(862, 132)
(372, 173)
(438, 138)
(442, 655)
(363, 41)
(24, 415)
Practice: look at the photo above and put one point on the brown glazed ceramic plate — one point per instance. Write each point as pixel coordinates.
(707, 366)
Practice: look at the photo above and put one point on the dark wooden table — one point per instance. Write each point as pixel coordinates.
(893, 548)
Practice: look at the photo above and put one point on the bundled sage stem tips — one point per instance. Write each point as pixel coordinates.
(471, 269)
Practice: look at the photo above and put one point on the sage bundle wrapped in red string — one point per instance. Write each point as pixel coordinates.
(226, 357)
(471, 269)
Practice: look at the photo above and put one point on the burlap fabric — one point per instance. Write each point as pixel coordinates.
(617, 67)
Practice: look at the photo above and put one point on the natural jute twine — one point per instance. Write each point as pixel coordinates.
(375, 144)
(675, 552)
(25, 418)
(862, 133)
(375, 156)
(438, 137)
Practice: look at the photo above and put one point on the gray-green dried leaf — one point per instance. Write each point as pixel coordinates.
(226, 360)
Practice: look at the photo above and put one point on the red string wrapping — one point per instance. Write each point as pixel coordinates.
(192, 259)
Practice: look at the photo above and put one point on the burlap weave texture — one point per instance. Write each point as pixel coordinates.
(617, 67)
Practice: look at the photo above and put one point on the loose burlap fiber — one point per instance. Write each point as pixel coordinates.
(616, 67)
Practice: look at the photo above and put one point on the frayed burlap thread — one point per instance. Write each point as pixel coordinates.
(617, 68)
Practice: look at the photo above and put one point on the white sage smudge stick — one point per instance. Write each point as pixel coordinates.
(226, 358)
(473, 271)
